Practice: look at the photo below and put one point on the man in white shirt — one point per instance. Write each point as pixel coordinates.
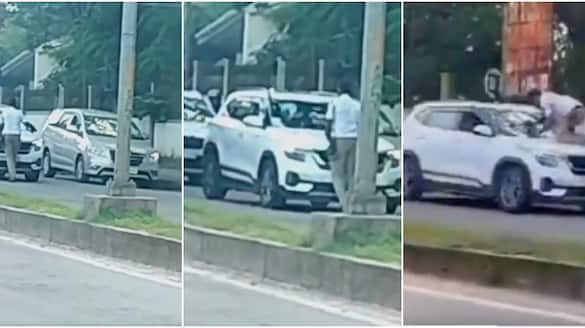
(343, 116)
(12, 121)
(562, 114)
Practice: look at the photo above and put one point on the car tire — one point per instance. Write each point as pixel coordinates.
(268, 188)
(319, 205)
(32, 176)
(48, 170)
(392, 205)
(413, 180)
(212, 180)
(513, 189)
(193, 179)
(79, 172)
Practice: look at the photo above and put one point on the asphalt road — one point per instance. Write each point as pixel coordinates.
(65, 190)
(213, 302)
(43, 288)
(429, 301)
(543, 223)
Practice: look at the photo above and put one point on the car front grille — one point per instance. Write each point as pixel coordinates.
(324, 164)
(25, 148)
(323, 187)
(135, 158)
(577, 164)
(193, 143)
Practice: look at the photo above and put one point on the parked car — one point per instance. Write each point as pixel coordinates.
(489, 150)
(273, 144)
(83, 142)
(197, 111)
(29, 155)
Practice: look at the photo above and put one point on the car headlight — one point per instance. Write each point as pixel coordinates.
(296, 154)
(98, 152)
(37, 145)
(154, 156)
(548, 160)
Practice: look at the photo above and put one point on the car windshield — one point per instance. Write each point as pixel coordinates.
(518, 123)
(386, 126)
(108, 127)
(196, 110)
(299, 114)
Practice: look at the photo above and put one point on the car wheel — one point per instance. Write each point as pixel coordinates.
(269, 190)
(80, 170)
(513, 189)
(193, 179)
(392, 205)
(319, 205)
(413, 180)
(32, 176)
(48, 170)
(212, 180)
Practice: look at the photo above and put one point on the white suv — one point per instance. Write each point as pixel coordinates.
(492, 151)
(197, 111)
(273, 144)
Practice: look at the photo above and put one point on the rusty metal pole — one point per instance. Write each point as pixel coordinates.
(363, 198)
(122, 185)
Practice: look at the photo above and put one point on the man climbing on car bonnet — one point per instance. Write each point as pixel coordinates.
(562, 114)
(343, 116)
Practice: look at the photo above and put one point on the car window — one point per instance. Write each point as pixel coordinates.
(103, 126)
(469, 120)
(64, 120)
(196, 110)
(74, 125)
(299, 114)
(241, 108)
(442, 119)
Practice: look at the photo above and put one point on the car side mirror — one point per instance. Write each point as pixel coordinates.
(254, 120)
(483, 130)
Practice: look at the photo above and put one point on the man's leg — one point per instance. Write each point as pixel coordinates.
(350, 163)
(11, 153)
(337, 163)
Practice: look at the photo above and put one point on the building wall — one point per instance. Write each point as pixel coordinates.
(168, 139)
(257, 30)
(44, 65)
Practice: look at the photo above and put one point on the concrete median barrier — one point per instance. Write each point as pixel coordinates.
(114, 242)
(522, 272)
(343, 276)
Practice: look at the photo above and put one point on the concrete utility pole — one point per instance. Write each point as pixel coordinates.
(363, 198)
(122, 185)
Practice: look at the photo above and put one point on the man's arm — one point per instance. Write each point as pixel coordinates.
(329, 117)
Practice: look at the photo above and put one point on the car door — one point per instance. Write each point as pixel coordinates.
(243, 136)
(437, 149)
(58, 140)
(252, 136)
(474, 148)
(72, 141)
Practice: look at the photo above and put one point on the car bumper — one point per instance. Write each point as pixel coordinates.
(559, 188)
(25, 162)
(193, 161)
(102, 168)
(320, 186)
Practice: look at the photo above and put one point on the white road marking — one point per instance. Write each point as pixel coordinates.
(150, 274)
(372, 317)
(498, 305)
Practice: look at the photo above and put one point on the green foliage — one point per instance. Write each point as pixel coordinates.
(90, 35)
(333, 31)
(462, 38)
